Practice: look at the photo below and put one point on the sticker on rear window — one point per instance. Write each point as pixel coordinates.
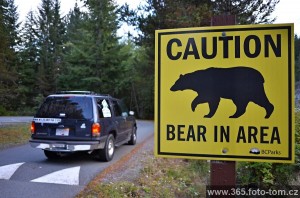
(47, 120)
(105, 110)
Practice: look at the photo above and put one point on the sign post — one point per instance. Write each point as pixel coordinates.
(223, 173)
(225, 93)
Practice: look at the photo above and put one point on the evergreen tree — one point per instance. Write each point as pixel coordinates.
(8, 56)
(246, 11)
(76, 52)
(92, 54)
(104, 48)
(12, 24)
(50, 36)
(28, 67)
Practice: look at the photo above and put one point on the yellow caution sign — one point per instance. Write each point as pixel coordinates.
(225, 93)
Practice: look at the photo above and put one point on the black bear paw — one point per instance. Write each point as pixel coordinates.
(269, 111)
(235, 116)
(208, 116)
(193, 108)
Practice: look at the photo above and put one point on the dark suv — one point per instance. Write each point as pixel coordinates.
(82, 121)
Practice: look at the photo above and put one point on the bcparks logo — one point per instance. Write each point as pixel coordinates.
(240, 84)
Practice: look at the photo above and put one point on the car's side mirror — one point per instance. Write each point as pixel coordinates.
(124, 114)
(131, 113)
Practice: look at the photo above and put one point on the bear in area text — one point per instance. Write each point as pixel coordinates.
(240, 84)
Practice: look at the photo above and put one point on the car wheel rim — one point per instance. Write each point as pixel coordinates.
(134, 136)
(110, 147)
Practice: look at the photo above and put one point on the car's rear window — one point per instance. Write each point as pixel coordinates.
(66, 107)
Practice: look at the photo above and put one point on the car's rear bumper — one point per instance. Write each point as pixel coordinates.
(66, 146)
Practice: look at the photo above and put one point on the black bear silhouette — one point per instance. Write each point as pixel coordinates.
(240, 84)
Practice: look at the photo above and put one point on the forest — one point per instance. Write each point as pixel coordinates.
(50, 52)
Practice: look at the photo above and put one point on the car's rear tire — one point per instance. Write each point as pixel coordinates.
(108, 152)
(51, 154)
(133, 137)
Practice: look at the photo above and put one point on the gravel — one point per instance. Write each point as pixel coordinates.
(129, 167)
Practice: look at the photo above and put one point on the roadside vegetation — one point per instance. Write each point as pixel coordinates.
(11, 135)
(159, 177)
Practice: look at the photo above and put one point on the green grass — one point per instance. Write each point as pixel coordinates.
(11, 135)
(160, 177)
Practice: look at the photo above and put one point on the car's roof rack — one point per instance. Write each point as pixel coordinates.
(75, 92)
(82, 92)
(103, 95)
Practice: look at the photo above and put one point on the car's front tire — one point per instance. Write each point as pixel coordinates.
(108, 152)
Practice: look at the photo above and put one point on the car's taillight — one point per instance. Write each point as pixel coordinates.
(96, 129)
(32, 127)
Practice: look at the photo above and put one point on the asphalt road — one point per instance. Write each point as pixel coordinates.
(26, 172)
(9, 119)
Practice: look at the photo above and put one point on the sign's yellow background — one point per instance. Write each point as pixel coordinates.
(174, 108)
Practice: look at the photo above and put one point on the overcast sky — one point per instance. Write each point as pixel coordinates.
(287, 11)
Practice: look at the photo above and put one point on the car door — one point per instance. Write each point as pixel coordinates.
(120, 121)
(128, 119)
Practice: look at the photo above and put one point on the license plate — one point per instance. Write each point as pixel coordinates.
(58, 146)
(62, 132)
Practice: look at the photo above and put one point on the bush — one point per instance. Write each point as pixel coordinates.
(265, 174)
(297, 140)
(3, 111)
(268, 174)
